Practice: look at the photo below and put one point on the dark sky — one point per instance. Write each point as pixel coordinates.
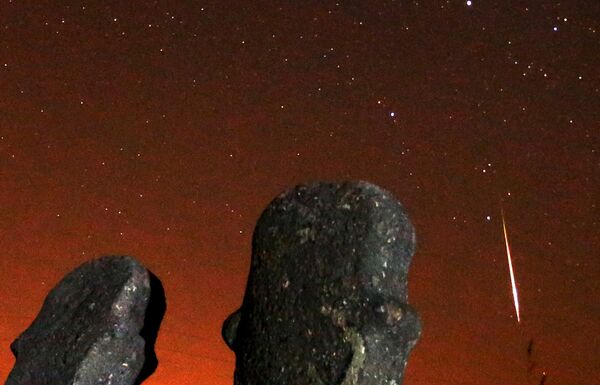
(161, 129)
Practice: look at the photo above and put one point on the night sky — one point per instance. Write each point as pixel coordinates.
(162, 129)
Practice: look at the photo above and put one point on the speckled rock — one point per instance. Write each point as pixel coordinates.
(326, 299)
(88, 330)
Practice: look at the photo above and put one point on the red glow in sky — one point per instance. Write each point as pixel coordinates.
(162, 129)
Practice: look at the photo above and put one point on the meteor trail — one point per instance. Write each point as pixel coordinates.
(510, 268)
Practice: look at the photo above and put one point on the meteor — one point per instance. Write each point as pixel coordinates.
(510, 268)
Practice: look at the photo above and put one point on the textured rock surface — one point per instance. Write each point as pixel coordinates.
(88, 329)
(326, 300)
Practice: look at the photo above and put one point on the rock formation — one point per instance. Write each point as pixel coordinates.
(88, 330)
(326, 299)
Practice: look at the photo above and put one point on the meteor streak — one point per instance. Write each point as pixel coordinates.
(510, 269)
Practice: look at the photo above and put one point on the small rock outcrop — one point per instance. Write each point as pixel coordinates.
(88, 330)
(326, 299)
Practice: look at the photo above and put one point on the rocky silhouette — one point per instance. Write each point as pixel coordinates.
(92, 328)
(326, 298)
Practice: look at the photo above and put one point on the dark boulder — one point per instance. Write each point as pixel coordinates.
(326, 299)
(88, 330)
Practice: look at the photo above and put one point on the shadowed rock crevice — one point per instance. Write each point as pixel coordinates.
(155, 312)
